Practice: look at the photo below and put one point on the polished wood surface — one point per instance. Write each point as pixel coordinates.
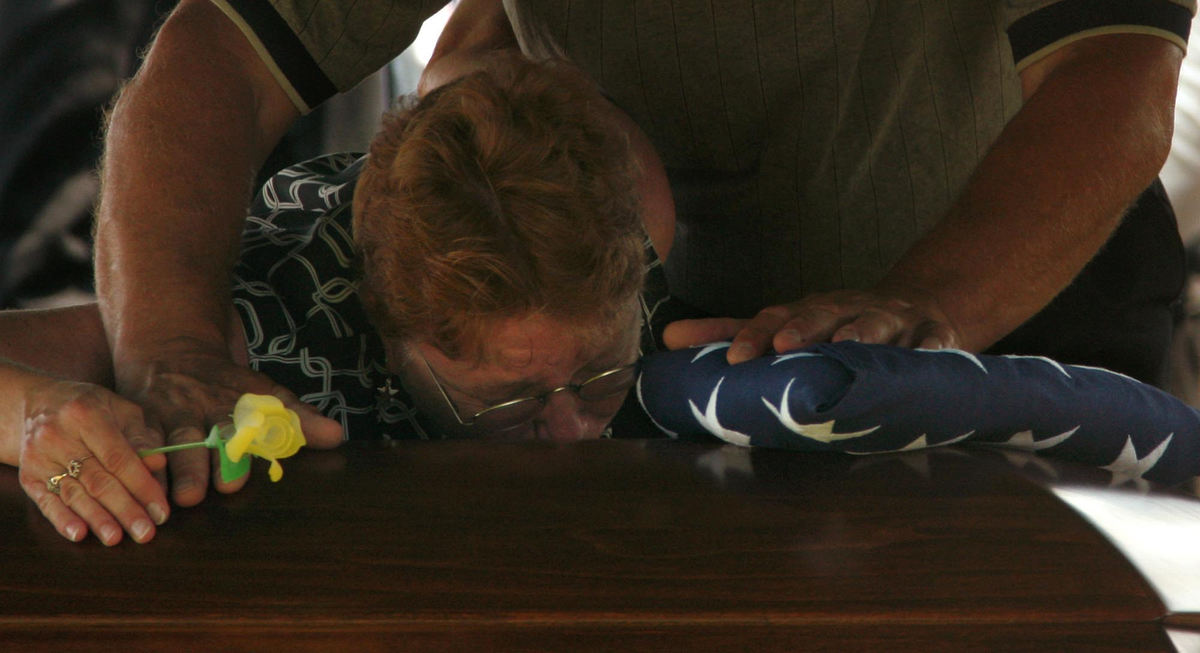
(610, 545)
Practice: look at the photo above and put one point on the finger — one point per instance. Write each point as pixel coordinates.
(937, 335)
(872, 326)
(188, 468)
(156, 462)
(682, 334)
(757, 335)
(65, 521)
(124, 477)
(141, 437)
(116, 449)
(811, 326)
(221, 485)
(319, 431)
(102, 523)
(115, 501)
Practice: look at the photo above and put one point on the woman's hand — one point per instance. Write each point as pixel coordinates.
(112, 488)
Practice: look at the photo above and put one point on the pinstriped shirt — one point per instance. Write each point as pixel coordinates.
(808, 143)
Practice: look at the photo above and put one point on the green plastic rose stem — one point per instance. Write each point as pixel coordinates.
(142, 453)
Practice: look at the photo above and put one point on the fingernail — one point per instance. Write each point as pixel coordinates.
(157, 513)
(109, 534)
(850, 335)
(74, 532)
(140, 528)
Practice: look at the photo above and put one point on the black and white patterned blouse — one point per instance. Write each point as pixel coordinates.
(295, 289)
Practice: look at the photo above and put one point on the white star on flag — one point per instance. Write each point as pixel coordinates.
(821, 432)
(1024, 440)
(921, 442)
(1128, 467)
(710, 422)
(1050, 361)
(958, 352)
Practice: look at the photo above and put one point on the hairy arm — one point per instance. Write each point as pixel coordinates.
(183, 144)
(184, 141)
(1092, 134)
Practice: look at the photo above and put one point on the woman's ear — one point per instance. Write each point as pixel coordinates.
(656, 204)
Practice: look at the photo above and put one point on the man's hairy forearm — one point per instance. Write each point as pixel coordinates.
(183, 143)
(1050, 192)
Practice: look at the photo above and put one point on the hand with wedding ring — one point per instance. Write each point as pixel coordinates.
(79, 462)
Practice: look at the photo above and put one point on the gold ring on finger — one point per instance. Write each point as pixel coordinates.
(75, 465)
(54, 483)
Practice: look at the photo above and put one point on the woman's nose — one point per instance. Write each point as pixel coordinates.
(562, 419)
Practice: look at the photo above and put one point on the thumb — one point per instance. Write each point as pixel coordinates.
(320, 432)
(692, 333)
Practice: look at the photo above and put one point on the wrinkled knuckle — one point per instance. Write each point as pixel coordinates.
(886, 311)
(824, 311)
(871, 331)
(777, 312)
(282, 393)
(184, 434)
(99, 485)
(78, 409)
(898, 305)
(45, 503)
(131, 412)
(29, 480)
(873, 319)
(72, 491)
(114, 458)
(44, 432)
(753, 333)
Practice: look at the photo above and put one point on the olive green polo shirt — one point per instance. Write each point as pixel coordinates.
(808, 143)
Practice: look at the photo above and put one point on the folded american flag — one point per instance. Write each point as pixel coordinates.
(864, 399)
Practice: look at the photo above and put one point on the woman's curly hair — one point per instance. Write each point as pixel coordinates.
(505, 193)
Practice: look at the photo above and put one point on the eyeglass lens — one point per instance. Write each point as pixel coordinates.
(523, 410)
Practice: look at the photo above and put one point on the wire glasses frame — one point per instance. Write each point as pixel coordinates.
(515, 412)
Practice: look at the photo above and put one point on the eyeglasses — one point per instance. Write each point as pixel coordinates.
(510, 414)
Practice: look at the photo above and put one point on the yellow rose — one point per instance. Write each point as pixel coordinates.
(264, 428)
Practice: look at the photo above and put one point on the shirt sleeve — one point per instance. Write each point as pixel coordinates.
(1039, 27)
(316, 48)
